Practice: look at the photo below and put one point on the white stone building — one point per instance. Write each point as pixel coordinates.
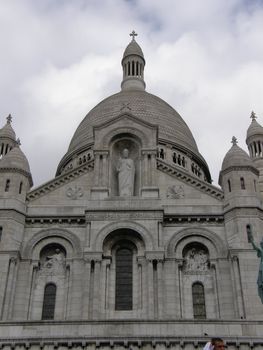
(152, 256)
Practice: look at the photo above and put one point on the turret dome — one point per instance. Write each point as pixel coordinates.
(16, 160)
(236, 156)
(133, 48)
(254, 129)
(7, 131)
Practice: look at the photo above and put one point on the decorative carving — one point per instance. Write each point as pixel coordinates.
(125, 107)
(74, 193)
(175, 192)
(196, 259)
(54, 264)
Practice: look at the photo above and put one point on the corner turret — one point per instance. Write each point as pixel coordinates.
(239, 178)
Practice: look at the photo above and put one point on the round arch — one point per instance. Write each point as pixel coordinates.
(203, 236)
(60, 236)
(118, 235)
(115, 226)
(135, 133)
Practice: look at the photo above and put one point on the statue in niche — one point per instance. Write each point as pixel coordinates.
(196, 260)
(55, 260)
(259, 251)
(126, 174)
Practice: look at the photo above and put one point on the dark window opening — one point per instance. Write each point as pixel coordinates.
(123, 292)
(198, 300)
(48, 311)
(229, 185)
(242, 183)
(20, 187)
(7, 185)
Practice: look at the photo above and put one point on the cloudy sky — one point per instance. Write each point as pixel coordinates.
(59, 58)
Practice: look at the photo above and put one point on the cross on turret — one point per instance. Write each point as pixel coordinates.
(253, 115)
(133, 34)
(234, 140)
(9, 119)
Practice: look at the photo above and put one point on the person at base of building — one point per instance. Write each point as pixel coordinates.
(215, 344)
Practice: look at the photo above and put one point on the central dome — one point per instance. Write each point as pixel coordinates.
(143, 105)
(134, 100)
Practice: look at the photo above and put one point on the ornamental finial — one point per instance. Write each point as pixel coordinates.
(253, 115)
(9, 119)
(234, 140)
(133, 34)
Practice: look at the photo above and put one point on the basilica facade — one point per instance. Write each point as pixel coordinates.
(130, 245)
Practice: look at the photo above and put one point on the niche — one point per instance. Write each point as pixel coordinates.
(121, 142)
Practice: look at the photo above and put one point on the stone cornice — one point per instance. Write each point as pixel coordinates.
(189, 179)
(60, 181)
(53, 220)
(202, 219)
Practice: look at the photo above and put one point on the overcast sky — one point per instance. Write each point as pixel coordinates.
(59, 58)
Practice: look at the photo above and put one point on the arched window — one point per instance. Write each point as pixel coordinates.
(229, 185)
(123, 289)
(198, 294)
(49, 301)
(242, 183)
(7, 185)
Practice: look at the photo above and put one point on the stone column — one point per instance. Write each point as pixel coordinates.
(238, 287)
(214, 269)
(10, 290)
(153, 168)
(104, 285)
(144, 181)
(96, 168)
(97, 289)
(180, 287)
(160, 291)
(86, 290)
(100, 190)
(151, 311)
(34, 268)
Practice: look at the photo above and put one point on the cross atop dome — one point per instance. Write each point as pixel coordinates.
(253, 115)
(9, 119)
(133, 34)
(234, 140)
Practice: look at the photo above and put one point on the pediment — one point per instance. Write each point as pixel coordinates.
(189, 180)
(60, 181)
(128, 124)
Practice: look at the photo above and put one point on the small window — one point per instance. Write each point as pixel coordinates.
(229, 185)
(7, 185)
(1, 231)
(249, 230)
(20, 187)
(198, 294)
(48, 311)
(242, 183)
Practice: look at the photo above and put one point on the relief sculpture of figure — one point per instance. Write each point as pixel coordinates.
(126, 174)
(54, 260)
(259, 251)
